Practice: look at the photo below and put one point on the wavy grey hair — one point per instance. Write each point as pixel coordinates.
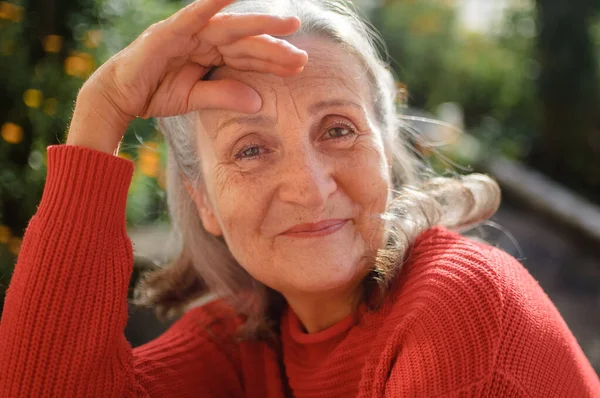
(205, 267)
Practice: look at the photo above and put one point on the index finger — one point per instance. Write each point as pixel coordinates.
(195, 15)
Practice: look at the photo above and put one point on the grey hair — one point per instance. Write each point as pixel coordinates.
(205, 266)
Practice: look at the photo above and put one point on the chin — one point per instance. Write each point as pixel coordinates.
(325, 274)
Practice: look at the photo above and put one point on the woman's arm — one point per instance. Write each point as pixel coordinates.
(65, 311)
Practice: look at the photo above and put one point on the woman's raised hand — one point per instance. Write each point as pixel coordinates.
(159, 73)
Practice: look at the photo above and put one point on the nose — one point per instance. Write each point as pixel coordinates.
(306, 179)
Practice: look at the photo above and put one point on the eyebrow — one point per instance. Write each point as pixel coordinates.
(260, 120)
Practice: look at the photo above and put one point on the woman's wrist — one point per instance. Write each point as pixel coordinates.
(96, 124)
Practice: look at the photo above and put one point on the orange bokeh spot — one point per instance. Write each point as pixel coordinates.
(11, 11)
(4, 234)
(79, 64)
(149, 159)
(32, 98)
(12, 133)
(53, 43)
(14, 245)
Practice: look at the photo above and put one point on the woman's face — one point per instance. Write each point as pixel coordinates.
(296, 189)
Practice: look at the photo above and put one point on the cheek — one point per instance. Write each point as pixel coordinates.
(241, 202)
(365, 178)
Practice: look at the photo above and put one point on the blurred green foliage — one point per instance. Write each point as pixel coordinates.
(491, 76)
(568, 144)
(49, 48)
(528, 90)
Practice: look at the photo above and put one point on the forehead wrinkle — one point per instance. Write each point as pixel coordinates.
(326, 73)
(292, 98)
(257, 120)
(327, 89)
(353, 80)
(274, 93)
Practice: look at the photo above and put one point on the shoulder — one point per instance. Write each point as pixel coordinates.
(444, 314)
(444, 268)
(212, 315)
(197, 354)
(468, 315)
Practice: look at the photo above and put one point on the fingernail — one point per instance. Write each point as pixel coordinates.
(287, 17)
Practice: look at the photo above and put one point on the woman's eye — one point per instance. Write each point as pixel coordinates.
(342, 131)
(249, 152)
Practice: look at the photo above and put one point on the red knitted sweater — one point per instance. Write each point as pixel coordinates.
(463, 319)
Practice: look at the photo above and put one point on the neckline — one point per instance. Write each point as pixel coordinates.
(295, 328)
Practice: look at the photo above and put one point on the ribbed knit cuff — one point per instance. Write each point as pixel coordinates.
(84, 182)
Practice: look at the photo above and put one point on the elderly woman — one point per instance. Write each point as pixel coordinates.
(317, 259)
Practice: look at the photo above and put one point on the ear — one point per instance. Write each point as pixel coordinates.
(207, 215)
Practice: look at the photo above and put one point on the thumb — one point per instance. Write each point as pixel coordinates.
(224, 94)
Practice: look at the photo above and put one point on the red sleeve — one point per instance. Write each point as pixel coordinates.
(62, 326)
(486, 328)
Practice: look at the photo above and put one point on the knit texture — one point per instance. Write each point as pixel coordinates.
(463, 319)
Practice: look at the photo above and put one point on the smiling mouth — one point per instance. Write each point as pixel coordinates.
(322, 228)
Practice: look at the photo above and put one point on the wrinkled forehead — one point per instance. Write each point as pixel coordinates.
(330, 74)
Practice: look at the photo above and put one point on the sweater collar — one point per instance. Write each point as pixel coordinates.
(296, 331)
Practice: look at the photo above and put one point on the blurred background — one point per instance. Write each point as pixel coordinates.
(514, 85)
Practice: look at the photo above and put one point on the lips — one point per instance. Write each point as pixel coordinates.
(324, 227)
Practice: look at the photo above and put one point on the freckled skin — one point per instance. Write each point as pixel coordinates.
(312, 165)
